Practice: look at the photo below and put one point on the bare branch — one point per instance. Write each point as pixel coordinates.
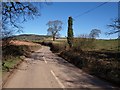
(114, 26)
(54, 28)
(14, 13)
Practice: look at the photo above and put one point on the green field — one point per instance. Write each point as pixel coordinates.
(99, 44)
(107, 44)
(111, 45)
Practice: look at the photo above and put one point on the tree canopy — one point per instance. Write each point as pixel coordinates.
(70, 32)
(94, 33)
(54, 27)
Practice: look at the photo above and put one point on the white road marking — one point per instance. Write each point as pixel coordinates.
(62, 86)
(44, 60)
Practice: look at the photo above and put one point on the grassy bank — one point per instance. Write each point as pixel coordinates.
(100, 58)
(10, 63)
(100, 64)
(12, 55)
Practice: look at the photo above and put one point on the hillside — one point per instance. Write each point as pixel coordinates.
(30, 37)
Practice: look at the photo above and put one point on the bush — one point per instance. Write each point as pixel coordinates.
(13, 50)
(83, 44)
(57, 47)
(46, 43)
(73, 58)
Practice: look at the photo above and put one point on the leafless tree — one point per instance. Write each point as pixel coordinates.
(54, 28)
(115, 26)
(94, 33)
(14, 13)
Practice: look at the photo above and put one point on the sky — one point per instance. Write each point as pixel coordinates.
(96, 19)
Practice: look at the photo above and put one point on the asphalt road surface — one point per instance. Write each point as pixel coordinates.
(46, 70)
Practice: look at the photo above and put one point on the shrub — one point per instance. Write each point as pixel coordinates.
(58, 47)
(13, 50)
(73, 58)
(83, 43)
(93, 64)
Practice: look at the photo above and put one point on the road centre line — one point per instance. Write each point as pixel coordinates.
(62, 86)
(59, 82)
(44, 60)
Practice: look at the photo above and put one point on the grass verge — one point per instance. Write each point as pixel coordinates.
(12, 57)
(104, 64)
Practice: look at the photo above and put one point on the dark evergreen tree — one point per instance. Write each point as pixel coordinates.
(70, 32)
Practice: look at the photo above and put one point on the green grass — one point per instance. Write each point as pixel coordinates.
(79, 43)
(98, 44)
(89, 44)
(11, 54)
(106, 44)
(10, 63)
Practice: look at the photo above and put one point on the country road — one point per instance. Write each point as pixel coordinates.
(44, 69)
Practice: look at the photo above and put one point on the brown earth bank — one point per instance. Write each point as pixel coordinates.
(17, 42)
(18, 48)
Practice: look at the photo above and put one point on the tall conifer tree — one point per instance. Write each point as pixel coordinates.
(70, 32)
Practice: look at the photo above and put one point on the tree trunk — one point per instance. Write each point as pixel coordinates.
(53, 38)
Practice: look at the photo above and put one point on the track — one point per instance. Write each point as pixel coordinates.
(46, 70)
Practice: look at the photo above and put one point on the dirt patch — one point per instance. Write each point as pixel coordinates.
(16, 42)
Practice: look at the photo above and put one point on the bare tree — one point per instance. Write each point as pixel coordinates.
(54, 28)
(94, 33)
(115, 26)
(14, 13)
